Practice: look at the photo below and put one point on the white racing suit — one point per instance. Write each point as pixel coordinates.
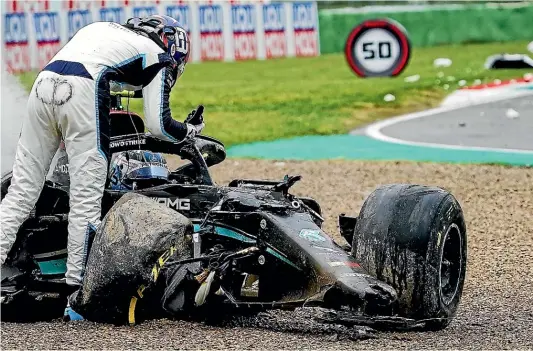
(70, 98)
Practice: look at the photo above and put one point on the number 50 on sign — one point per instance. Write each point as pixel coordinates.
(377, 48)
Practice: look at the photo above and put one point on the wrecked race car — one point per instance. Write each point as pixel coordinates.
(180, 245)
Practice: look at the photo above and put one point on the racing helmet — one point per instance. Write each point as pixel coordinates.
(130, 170)
(169, 34)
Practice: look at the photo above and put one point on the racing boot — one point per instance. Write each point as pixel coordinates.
(70, 314)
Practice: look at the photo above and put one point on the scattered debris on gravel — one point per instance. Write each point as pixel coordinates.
(304, 321)
(495, 312)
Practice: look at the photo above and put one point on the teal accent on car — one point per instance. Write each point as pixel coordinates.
(238, 236)
(281, 257)
(58, 266)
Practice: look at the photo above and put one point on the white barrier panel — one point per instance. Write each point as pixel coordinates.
(34, 30)
(274, 28)
(211, 32)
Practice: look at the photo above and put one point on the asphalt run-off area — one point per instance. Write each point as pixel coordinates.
(496, 131)
(504, 125)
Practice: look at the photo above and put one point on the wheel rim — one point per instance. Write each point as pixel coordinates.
(451, 262)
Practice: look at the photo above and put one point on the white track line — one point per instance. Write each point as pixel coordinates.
(374, 130)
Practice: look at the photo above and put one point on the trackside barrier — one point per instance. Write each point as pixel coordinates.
(435, 25)
(34, 30)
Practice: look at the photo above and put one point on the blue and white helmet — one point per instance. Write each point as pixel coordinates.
(172, 35)
(142, 167)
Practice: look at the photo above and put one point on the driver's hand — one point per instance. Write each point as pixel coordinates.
(193, 130)
(195, 122)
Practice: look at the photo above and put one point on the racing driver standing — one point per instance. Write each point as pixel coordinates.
(70, 100)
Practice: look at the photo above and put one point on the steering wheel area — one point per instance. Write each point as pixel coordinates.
(202, 151)
(127, 133)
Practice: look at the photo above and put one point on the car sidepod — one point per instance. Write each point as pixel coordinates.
(305, 264)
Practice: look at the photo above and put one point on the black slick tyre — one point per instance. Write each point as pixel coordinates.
(413, 237)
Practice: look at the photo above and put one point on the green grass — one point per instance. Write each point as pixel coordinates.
(267, 100)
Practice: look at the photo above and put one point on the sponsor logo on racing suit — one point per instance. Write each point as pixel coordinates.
(127, 142)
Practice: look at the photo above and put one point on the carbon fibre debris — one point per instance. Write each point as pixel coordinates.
(302, 320)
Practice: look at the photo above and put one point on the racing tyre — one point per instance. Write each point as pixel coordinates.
(131, 247)
(413, 237)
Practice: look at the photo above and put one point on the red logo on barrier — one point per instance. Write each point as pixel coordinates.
(276, 44)
(306, 43)
(211, 40)
(16, 43)
(45, 52)
(17, 58)
(245, 46)
(243, 25)
(305, 33)
(47, 36)
(274, 25)
(211, 46)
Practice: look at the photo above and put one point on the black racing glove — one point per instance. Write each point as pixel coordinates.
(195, 122)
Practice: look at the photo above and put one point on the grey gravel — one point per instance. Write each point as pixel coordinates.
(496, 311)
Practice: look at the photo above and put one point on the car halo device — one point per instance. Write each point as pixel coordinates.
(378, 48)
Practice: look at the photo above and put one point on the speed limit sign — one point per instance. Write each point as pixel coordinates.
(378, 48)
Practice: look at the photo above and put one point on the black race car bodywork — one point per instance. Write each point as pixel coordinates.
(257, 246)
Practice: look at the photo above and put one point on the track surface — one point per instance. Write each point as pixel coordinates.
(495, 312)
(478, 133)
(486, 125)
